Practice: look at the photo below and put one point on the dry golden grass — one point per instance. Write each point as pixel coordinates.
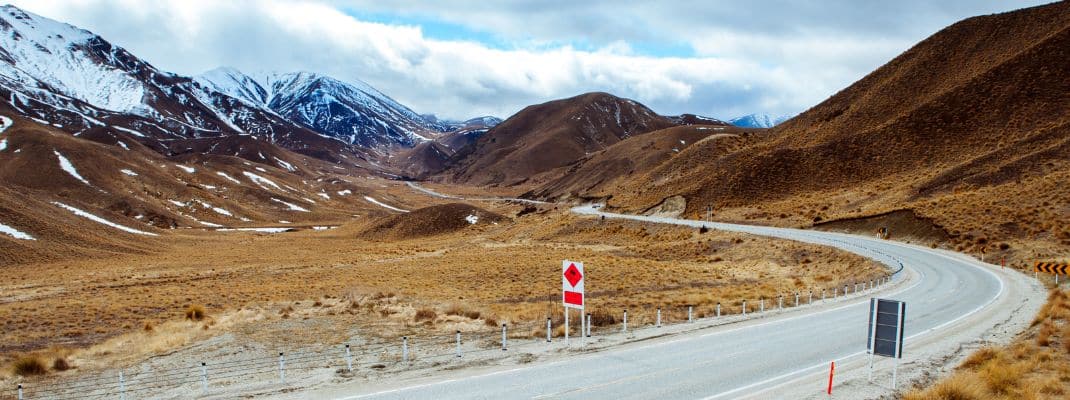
(1035, 366)
(125, 308)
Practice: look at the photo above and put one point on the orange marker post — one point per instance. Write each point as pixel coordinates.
(832, 371)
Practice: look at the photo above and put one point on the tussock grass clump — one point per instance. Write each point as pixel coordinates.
(979, 358)
(195, 313)
(958, 387)
(61, 364)
(29, 366)
(425, 314)
(460, 311)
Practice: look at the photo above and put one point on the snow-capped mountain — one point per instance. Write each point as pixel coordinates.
(353, 112)
(72, 79)
(758, 121)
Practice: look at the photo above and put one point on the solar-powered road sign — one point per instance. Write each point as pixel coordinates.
(887, 320)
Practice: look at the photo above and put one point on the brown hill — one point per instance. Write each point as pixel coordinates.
(599, 175)
(104, 193)
(430, 221)
(551, 135)
(969, 129)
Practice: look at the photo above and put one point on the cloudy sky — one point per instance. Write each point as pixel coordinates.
(461, 59)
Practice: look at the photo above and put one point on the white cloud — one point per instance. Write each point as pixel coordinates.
(779, 62)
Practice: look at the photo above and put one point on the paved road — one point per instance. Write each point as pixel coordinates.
(727, 363)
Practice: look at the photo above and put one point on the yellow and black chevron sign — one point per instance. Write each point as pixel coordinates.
(1052, 268)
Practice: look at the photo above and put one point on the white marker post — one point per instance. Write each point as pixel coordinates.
(872, 336)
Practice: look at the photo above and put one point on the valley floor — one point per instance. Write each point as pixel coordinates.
(309, 288)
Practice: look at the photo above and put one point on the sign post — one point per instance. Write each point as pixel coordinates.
(885, 332)
(572, 292)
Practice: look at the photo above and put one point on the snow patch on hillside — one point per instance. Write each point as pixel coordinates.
(5, 123)
(261, 181)
(15, 233)
(100, 220)
(291, 206)
(130, 131)
(66, 165)
(224, 174)
(378, 203)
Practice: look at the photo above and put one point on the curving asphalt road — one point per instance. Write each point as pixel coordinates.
(738, 359)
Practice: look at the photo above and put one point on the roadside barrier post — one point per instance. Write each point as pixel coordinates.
(624, 328)
(122, 386)
(832, 371)
(459, 342)
(761, 305)
(844, 290)
(282, 368)
(20, 391)
(780, 302)
(823, 294)
(503, 337)
(404, 349)
(744, 308)
(658, 323)
(835, 293)
(689, 315)
(810, 300)
(588, 324)
(796, 299)
(204, 377)
(718, 309)
(548, 330)
(349, 359)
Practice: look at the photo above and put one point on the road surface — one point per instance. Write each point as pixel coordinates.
(947, 293)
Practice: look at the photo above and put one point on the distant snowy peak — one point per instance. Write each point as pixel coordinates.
(758, 121)
(353, 112)
(485, 121)
(233, 83)
(692, 119)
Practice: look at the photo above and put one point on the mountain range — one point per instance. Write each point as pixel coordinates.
(77, 81)
(968, 125)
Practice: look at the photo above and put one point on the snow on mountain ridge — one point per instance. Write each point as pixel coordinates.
(758, 120)
(39, 52)
(353, 112)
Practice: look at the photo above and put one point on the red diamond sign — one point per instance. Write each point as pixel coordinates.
(573, 274)
(572, 283)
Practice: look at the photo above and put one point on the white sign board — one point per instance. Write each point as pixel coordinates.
(572, 284)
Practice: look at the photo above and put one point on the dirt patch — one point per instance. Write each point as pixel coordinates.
(670, 207)
(901, 225)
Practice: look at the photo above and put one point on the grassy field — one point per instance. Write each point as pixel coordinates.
(303, 287)
(1035, 366)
